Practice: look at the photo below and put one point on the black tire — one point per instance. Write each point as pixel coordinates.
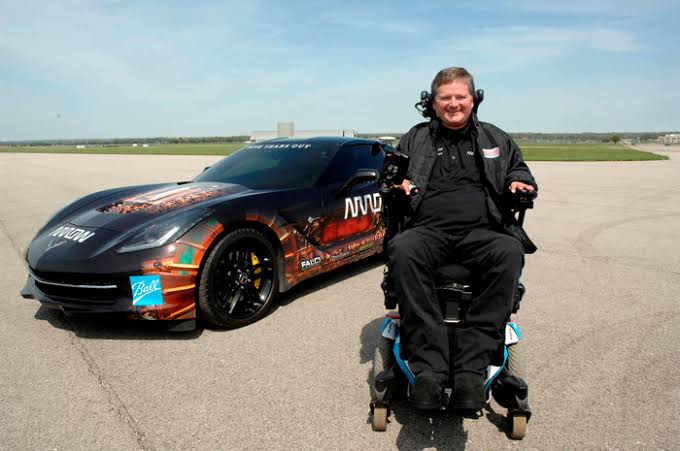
(383, 359)
(239, 280)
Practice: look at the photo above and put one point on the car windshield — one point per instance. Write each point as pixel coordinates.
(273, 165)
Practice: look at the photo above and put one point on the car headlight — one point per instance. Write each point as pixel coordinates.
(165, 232)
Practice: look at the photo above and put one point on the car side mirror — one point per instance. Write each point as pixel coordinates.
(376, 149)
(360, 176)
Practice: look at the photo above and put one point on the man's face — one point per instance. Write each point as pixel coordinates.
(453, 104)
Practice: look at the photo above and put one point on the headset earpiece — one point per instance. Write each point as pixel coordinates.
(478, 98)
(425, 107)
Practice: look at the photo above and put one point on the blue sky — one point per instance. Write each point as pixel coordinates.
(99, 69)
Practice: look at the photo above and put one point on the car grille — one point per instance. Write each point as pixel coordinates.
(80, 288)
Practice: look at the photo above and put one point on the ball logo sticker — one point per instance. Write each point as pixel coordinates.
(146, 290)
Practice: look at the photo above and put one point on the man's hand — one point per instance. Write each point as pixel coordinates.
(405, 186)
(514, 186)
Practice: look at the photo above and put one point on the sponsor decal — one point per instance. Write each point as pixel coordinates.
(390, 329)
(470, 153)
(361, 205)
(309, 263)
(71, 233)
(512, 333)
(280, 146)
(491, 153)
(340, 255)
(162, 200)
(146, 290)
(52, 244)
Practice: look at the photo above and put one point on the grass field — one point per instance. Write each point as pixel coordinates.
(584, 152)
(163, 149)
(531, 151)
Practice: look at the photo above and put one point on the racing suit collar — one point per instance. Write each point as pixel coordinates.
(437, 128)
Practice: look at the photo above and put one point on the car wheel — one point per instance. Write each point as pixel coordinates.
(239, 279)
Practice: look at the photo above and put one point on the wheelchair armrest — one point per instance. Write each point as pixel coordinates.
(396, 208)
(519, 202)
(390, 297)
(522, 200)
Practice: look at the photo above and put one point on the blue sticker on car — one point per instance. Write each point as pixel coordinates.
(146, 290)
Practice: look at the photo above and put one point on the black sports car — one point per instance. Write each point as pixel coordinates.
(254, 224)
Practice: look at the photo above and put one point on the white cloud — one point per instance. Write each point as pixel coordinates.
(518, 46)
(615, 8)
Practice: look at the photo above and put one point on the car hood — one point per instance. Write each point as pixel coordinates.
(100, 226)
(120, 214)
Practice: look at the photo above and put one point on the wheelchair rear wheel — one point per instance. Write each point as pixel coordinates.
(382, 356)
(516, 364)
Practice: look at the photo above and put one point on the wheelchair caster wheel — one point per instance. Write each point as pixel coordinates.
(519, 426)
(379, 418)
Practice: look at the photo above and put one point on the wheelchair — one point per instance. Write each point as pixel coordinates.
(505, 378)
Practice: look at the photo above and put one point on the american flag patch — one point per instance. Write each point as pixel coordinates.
(491, 153)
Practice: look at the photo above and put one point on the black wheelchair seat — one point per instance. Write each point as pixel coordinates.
(453, 272)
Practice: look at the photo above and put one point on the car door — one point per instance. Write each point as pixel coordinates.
(304, 208)
(352, 203)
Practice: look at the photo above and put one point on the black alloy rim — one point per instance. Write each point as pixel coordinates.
(244, 279)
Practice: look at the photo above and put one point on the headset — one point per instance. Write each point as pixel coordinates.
(426, 109)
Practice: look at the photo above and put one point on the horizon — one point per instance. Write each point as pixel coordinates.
(166, 69)
(59, 141)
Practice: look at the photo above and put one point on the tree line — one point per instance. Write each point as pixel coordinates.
(129, 141)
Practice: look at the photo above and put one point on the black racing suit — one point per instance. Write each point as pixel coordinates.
(458, 215)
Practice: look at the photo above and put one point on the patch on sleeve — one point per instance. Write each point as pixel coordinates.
(146, 290)
(491, 153)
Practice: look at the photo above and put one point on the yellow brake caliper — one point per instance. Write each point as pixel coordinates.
(255, 262)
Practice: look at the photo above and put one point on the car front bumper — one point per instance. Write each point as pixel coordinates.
(109, 295)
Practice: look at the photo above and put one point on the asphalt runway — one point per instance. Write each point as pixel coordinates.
(601, 319)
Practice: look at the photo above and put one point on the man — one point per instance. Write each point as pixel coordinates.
(463, 168)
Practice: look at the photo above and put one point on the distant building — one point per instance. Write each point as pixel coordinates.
(287, 130)
(673, 138)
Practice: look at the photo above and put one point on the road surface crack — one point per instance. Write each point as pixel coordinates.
(15, 246)
(114, 400)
